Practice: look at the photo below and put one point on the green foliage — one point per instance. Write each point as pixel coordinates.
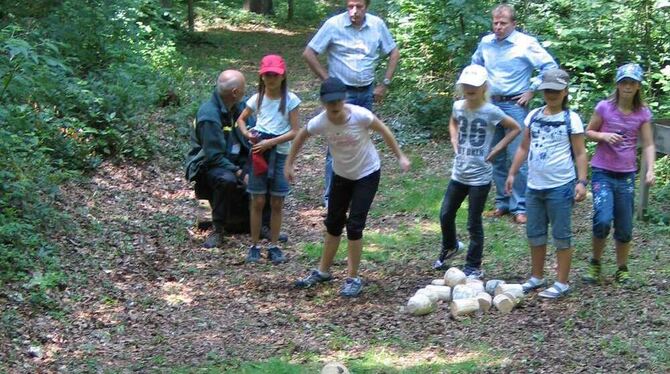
(76, 80)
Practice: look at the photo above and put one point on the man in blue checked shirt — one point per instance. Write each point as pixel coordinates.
(510, 58)
(353, 42)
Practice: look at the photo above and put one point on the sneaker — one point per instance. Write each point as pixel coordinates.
(265, 234)
(592, 275)
(621, 276)
(554, 292)
(213, 240)
(473, 273)
(254, 254)
(351, 287)
(276, 255)
(442, 263)
(313, 278)
(533, 284)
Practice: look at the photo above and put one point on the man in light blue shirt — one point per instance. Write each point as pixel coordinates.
(352, 42)
(510, 58)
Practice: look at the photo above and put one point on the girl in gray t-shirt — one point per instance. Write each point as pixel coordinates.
(471, 128)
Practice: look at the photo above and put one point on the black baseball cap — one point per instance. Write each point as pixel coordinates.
(333, 89)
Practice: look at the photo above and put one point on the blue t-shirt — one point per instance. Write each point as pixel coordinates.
(270, 120)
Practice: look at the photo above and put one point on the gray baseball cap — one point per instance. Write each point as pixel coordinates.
(554, 79)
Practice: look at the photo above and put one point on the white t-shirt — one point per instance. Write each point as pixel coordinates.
(475, 133)
(354, 155)
(550, 162)
(270, 120)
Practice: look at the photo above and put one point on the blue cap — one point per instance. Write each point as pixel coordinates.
(632, 71)
(332, 89)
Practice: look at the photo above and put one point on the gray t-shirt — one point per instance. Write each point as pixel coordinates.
(475, 132)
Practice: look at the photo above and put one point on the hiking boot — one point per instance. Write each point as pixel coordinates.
(313, 278)
(442, 263)
(351, 287)
(473, 273)
(622, 277)
(276, 255)
(254, 254)
(592, 275)
(265, 234)
(215, 239)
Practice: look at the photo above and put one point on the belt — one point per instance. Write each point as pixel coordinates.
(503, 97)
(359, 88)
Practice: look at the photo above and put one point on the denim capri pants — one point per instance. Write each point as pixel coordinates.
(278, 185)
(550, 206)
(613, 201)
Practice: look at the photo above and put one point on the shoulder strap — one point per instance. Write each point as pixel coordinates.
(567, 120)
(534, 116)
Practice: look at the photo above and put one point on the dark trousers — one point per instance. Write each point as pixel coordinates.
(355, 196)
(453, 198)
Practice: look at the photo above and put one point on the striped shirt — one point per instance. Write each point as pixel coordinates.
(512, 61)
(352, 53)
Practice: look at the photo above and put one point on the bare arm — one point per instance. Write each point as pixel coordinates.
(384, 131)
(266, 144)
(313, 62)
(514, 129)
(593, 131)
(581, 161)
(519, 158)
(380, 90)
(298, 141)
(242, 122)
(453, 134)
(649, 151)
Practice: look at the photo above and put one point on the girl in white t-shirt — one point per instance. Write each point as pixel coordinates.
(553, 143)
(356, 167)
(276, 111)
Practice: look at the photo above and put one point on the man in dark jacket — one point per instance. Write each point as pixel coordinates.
(218, 152)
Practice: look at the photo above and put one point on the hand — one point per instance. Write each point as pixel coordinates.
(650, 178)
(404, 163)
(612, 138)
(379, 93)
(508, 185)
(262, 146)
(524, 98)
(289, 173)
(580, 192)
(489, 157)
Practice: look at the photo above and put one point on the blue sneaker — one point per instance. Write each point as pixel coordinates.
(276, 255)
(313, 278)
(254, 254)
(351, 287)
(473, 272)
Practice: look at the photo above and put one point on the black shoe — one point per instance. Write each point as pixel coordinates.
(254, 254)
(276, 255)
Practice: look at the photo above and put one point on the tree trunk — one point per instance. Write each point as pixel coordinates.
(259, 6)
(291, 4)
(191, 16)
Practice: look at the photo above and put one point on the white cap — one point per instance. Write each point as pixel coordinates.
(474, 75)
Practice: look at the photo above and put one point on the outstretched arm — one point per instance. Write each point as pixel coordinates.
(298, 141)
(388, 137)
(519, 158)
(514, 129)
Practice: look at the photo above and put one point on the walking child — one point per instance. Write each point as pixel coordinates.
(356, 167)
(553, 143)
(276, 110)
(472, 126)
(616, 124)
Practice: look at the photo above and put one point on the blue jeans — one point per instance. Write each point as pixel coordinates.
(613, 200)
(516, 203)
(551, 206)
(354, 196)
(453, 198)
(362, 98)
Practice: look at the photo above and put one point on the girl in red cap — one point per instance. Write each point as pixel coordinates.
(276, 111)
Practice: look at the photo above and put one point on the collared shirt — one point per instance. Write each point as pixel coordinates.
(510, 62)
(352, 53)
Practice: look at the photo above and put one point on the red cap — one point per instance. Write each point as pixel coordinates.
(273, 64)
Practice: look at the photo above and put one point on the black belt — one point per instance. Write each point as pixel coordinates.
(504, 98)
(358, 88)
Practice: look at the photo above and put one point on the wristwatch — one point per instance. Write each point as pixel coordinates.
(583, 182)
(386, 82)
